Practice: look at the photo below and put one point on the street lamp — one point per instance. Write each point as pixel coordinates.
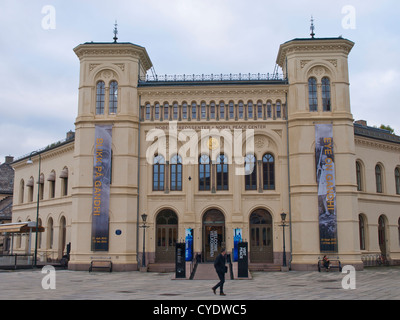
(37, 205)
(144, 218)
(283, 225)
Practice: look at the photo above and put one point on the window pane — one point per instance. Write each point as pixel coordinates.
(100, 97)
(312, 94)
(113, 102)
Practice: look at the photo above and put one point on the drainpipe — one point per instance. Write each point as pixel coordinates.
(138, 185)
(289, 188)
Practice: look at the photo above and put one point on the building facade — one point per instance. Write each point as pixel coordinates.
(215, 157)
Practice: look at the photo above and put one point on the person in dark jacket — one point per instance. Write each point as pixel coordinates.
(221, 269)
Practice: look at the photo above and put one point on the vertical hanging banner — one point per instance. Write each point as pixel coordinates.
(101, 187)
(325, 164)
(237, 238)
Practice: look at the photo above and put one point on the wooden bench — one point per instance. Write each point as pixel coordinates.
(100, 264)
(333, 264)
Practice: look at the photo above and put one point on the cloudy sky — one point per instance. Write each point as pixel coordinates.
(40, 72)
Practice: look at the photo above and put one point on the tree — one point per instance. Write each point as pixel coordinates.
(388, 128)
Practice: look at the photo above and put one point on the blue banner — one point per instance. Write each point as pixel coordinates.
(189, 244)
(101, 188)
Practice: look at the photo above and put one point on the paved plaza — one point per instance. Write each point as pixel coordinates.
(371, 284)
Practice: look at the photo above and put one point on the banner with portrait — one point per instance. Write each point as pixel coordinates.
(325, 164)
(101, 187)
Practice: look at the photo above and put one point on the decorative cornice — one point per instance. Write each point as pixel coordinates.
(114, 49)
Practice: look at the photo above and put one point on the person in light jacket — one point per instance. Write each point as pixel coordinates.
(221, 269)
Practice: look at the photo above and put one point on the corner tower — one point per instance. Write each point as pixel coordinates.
(319, 100)
(106, 147)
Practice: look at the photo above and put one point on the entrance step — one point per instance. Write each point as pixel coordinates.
(205, 271)
(266, 267)
(162, 267)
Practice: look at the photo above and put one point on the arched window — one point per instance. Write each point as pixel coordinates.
(176, 173)
(148, 111)
(250, 167)
(204, 173)
(382, 234)
(64, 181)
(203, 110)
(113, 102)
(30, 184)
(359, 176)
(326, 94)
(100, 97)
(175, 111)
(222, 172)
(184, 110)
(50, 233)
(158, 173)
(166, 111)
(21, 191)
(378, 178)
(157, 111)
(250, 110)
(397, 180)
(231, 110)
(222, 110)
(278, 109)
(259, 110)
(361, 227)
(268, 172)
(312, 94)
(194, 110)
(269, 109)
(241, 110)
(212, 110)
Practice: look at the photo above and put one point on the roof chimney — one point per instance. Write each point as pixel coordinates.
(9, 159)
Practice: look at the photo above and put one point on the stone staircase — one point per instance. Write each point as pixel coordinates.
(205, 271)
(265, 267)
(162, 267)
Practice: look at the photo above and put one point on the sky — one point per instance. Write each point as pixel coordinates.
(39, 72)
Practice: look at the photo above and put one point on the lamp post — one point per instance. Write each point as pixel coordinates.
(144, 218)
(283, 225)
(37, 205)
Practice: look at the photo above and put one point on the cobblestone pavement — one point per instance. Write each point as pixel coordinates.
(371, 284)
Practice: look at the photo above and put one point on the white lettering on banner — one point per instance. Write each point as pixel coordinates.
(213, 242)
(242, 252)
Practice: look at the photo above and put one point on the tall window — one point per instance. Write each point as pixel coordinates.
(358, 173)
(361, 226)
(175, 111)
(268, 172)
(250, 110)
(158, 173)
(378, 178)
(194, 110)
(157, 111)
(222, 110)
(184, 110)
(326, 94)
(278, 109)
(259, 110)
(166, 111)
(203, 110)
(241, 110)
(250, 166)
(148, 111)
(204, 172)
(231, 110)
(212, 110)
(269, 110)
(397, 180)
(100, 97)
(176, 173)
(222, 172)
(312, 94)
(113, 97)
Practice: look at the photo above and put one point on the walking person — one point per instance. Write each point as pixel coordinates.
(221, 269)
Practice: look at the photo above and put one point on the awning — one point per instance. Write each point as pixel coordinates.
(20, 227)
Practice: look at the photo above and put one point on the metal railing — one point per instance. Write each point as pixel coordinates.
(375, 260)
(16, 261)
(213, 77)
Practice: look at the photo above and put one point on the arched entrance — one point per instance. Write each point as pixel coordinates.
(166, 236)
(382, 234)
(261, 249)
(213, 234)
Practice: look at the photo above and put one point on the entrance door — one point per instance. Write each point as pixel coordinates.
(261, 249)
(166, 236)
(213, 234)
(382, 235)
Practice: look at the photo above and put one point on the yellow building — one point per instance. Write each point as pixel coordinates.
(215, 156)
